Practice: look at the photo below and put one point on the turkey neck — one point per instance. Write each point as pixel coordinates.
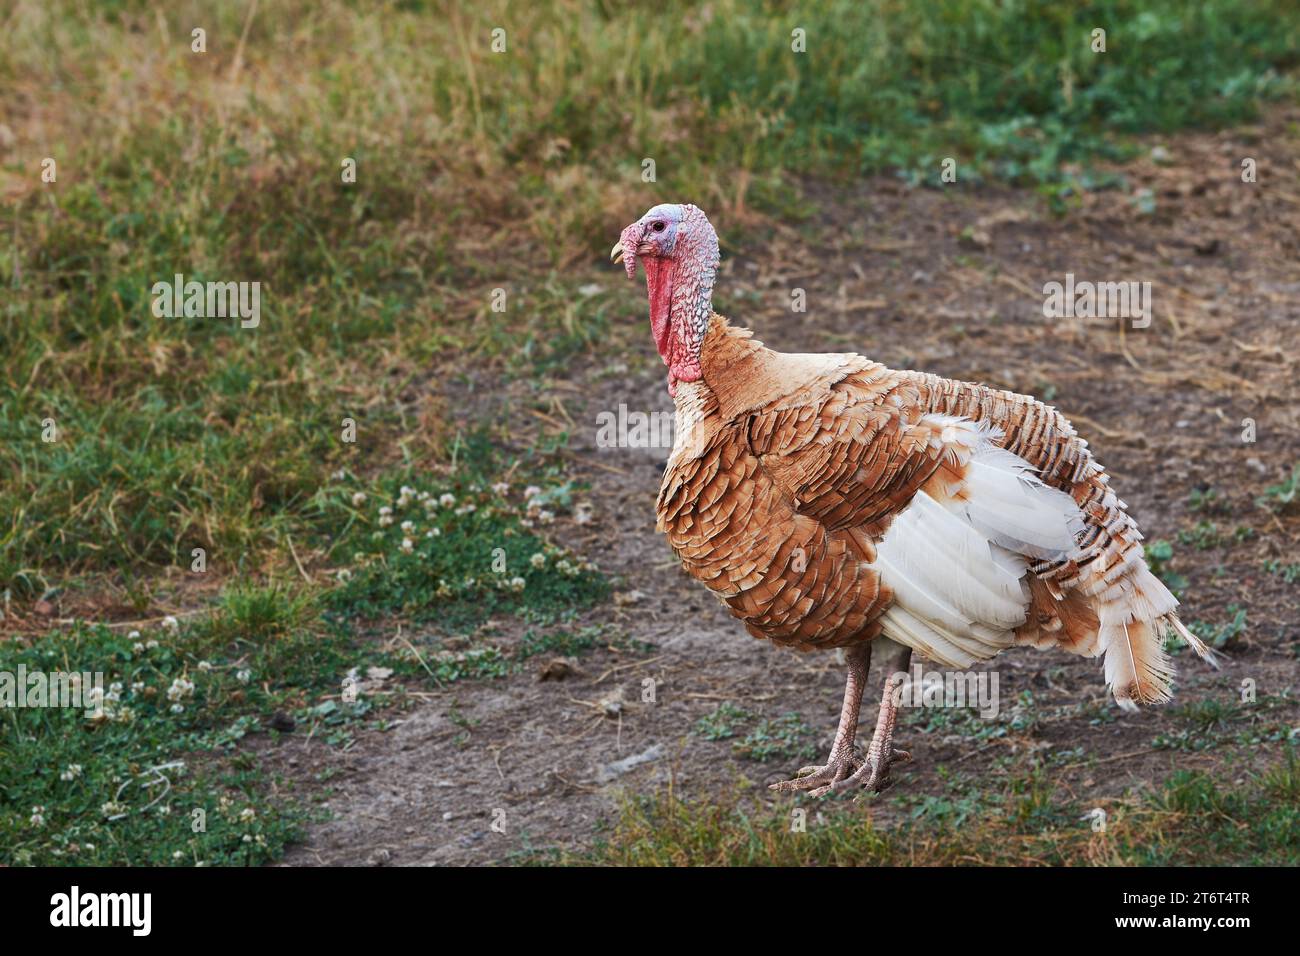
(681, 303)
(738, 374)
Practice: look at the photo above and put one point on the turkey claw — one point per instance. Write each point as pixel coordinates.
(820, 780)
(873, 775)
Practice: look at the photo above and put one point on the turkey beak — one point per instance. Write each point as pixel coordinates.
(616, 254)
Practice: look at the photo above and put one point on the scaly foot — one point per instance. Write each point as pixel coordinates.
(819, 780)
(873, 775)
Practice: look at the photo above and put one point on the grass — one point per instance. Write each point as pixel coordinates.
(1190, 819)
(1221, 635)
(1158, 555)
(134, 787)
(461, 556)
(1210, 723)
(785, 737)
(1290, 573)
(266, 657)
(1283, 497)
(181, 698)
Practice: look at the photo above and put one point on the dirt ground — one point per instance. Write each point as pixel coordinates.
(950, 282)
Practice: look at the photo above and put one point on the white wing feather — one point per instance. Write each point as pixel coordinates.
(957, 569)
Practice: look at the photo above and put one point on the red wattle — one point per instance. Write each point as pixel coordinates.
(659, 284)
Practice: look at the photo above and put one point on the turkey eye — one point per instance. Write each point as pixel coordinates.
(658, 227)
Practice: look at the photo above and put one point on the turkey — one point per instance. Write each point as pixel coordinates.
(831, 502)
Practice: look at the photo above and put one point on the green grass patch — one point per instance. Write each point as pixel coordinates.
(1158, 555)
(785, 737)
(1221, 635)
(1289, 573)
(1211, 723)
(143, 783)
(1190, 820)
(1283, 497)
(460, 553)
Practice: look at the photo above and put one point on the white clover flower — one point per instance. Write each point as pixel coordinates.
(433, 532)
(408, 527)
(178, 855)
(124, 715)
(180, 689)
(545, 517)
(526, 522)
(344, 575)
(133, 635)
(501, 489)
(339, 475)
(205, 665)
(385, 520)
(247, 815)
(112, 808)
(446, 500)
(165, 810)
(518, 584)
(171, 623)
(407, 546)
(150, 644)
(385, 510)
(538, 560)
(178, 708)
(137, 647)
(71, 772)
(244, 675)
(37, 819)
(358, 499)
(532, 491)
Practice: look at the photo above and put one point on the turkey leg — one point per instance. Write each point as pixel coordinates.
(843, 763)
(873, 774)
